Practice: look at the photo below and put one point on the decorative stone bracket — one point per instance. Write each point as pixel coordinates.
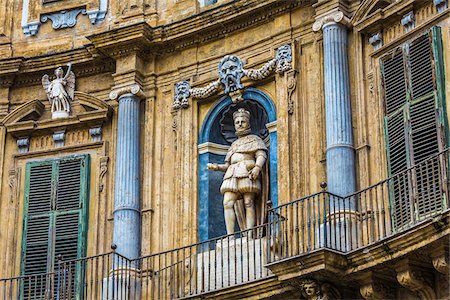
(62, 18)
(412, 278)
(231, 71)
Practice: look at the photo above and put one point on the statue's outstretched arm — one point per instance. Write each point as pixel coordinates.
(68, 71)
(218, 167)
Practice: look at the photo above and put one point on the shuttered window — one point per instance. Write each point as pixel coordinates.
(54, 216)
(413, 126)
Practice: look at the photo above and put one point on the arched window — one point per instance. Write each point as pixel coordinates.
(216, 135)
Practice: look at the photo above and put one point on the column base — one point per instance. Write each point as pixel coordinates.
(339, 233)
(122, 284)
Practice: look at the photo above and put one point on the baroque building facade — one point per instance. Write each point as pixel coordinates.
(114, 115)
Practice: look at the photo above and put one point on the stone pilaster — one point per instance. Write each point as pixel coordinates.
(339, 133)
(127, 221)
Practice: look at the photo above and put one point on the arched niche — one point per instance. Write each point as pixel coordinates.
(214, 141)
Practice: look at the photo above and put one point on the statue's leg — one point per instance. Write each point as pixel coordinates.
(228, 204)
(250, 214)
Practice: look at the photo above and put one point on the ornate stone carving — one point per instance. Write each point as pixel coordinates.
(336, 16)
(59, 137)
(412, 279)
(284, 58)
(23, 143)
(231, 71)
(181, 95)
(63, 19)
(439, 258)
(60, 91)
(13, 182)
(409, 21)
(376, 40)
(441, 5)
(96, 134)
(102, 172)
(243, 190)
(291, 86)
(440, 263)
(314, 290)
(134, 89)
(376, 290)
(262, 72)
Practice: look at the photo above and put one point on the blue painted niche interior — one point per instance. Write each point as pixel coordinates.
(211, 219)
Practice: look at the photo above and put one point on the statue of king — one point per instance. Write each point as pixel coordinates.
(243, 192)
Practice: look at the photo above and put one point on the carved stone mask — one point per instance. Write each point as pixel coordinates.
(310, 289)
(182, 93)
(230, 73)
(284, 58)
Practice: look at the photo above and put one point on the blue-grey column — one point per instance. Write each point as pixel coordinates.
(127, 199)
(340, 150)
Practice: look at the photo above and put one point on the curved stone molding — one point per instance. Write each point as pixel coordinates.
(134, 89)
(231, 71)
(331, 18)
(374, 291)
(34, 108)
(412, 279)
(62, 18)
(440, 263)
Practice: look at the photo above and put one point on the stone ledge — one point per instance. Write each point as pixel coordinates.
(326, 264)
(259, 289)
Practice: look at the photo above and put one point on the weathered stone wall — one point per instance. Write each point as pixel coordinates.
(106, 59)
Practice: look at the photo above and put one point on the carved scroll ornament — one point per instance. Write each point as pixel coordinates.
(231, 71)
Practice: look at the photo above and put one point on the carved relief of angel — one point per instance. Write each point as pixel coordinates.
(60, 91)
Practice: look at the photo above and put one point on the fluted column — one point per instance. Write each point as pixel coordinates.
(340, 231)
(127, 221)
(339, 133)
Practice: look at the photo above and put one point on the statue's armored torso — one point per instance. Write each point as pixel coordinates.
(242, 158)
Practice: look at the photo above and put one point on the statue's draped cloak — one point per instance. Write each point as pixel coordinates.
(250, 144)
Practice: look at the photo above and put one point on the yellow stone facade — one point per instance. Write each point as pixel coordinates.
(155, 44)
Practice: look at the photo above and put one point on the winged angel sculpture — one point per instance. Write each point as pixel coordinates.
(60, 91)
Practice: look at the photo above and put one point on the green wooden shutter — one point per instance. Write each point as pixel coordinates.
(394, 82)
(38, 198)
(414, 128)
(396, 126)
(54, 216)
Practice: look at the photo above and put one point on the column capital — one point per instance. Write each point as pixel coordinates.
(133, 89)
(334, 16)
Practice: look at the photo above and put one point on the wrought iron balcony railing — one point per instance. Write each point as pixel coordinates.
(318, 221)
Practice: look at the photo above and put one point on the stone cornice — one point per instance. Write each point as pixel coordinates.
(30, 69)
(207, 26)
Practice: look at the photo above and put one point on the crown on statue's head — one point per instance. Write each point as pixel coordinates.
(241, 112)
